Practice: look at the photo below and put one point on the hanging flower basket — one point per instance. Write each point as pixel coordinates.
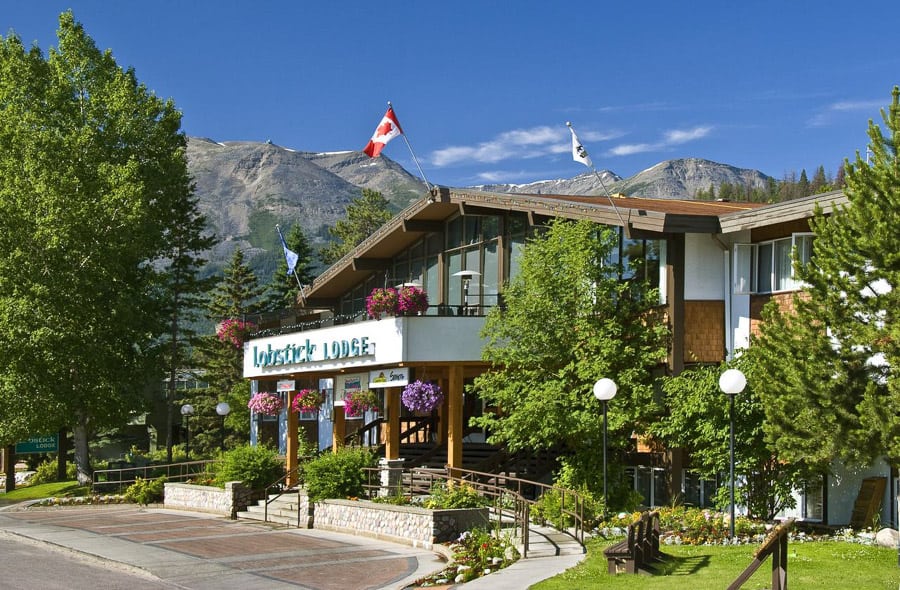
(381, 301)
(359, 401)
(234, 331)
(307, 400)
(266, 403)
(411, 300)
(420, 396)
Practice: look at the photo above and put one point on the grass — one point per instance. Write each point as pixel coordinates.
(819, 565)
(44, 490)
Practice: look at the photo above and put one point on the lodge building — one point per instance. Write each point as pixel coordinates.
(716, 264)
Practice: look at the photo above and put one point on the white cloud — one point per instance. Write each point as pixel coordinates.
(534, 142)
(827, 113)
(683, 136)
(670, 138)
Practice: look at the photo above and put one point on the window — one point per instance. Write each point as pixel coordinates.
(767, 266)
(650, 483)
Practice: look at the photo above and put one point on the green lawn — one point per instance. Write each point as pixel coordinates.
(44, 490)
(828, 564)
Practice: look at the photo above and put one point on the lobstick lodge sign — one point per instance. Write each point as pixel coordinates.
(306, 351)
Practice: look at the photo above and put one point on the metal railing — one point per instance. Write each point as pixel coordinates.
(511, 510)
(117, 479)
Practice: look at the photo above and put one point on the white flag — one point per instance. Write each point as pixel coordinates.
(579, 154)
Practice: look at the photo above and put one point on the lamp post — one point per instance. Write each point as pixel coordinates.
(605, 390)
(223, 409)
(732, 382)
(187, 410)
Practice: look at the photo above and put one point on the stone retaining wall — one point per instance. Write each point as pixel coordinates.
(411, 525)
(235, 497)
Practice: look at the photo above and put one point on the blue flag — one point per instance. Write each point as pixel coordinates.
(290, 256)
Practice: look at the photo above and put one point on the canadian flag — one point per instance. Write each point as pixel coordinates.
(388, 129)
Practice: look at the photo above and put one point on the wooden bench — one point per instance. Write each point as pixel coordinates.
(639, 548)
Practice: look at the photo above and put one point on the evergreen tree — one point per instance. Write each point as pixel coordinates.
(803, 189)
(591, 326)
(819, 182)
(832, 391)
(92, 168)
(364, 216)
(235, 297)
(282, 292)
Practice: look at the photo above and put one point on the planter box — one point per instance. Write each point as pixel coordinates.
(227, 502)
(410, 525)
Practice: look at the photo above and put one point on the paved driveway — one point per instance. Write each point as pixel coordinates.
(202, 552)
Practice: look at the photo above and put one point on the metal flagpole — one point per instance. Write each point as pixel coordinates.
(586, 160)
(412, 153)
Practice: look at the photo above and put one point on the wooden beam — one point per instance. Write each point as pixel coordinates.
(455, 419)
(423, 225)
(371, 263)
(340, 428)
(293, 443)
(466, 209)
(536, 219)
(392, 426)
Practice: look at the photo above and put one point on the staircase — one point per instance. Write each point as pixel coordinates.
(289, 508)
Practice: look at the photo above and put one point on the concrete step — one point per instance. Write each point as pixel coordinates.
(287, 520)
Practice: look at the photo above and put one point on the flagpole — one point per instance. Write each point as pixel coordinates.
(294, 271)
(590, 164)
(413, 154)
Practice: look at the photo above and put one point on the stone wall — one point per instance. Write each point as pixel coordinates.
(411, 525)
(236, 496)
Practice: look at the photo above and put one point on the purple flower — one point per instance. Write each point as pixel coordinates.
(420, 396)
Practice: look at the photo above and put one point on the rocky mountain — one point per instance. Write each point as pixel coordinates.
(246, 188)
(672, 179)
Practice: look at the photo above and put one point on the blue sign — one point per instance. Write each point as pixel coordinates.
(38, 444)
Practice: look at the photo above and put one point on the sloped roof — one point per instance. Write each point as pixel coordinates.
(642, 217)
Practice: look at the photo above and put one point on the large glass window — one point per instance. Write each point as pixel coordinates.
(767, 266)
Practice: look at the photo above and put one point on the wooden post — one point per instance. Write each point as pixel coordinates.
(392, 426)
(340, 429)
(293, 444)
(443, 413)
(455, 419)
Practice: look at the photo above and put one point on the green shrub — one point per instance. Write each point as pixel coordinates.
(146, 491)
(549, 508)
(338, 475)
(46, 473)
(444, 496)
(257, 466)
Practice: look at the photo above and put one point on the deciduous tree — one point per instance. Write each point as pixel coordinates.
(92, 165)
(568, 321)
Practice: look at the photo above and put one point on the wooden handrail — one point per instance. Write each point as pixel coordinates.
(775, 544)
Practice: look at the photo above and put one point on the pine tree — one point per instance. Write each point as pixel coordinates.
(364, 216)
(833, 392)
(282, 292)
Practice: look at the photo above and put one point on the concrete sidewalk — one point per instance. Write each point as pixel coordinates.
(200, 551)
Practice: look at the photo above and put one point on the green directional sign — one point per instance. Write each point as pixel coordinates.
(38, 444)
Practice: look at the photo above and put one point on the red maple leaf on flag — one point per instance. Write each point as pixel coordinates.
(384, 128)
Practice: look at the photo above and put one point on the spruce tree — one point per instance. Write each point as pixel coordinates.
(833, 391)
(364, 216)
(283, 291)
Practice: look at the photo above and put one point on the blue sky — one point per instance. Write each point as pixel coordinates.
(483, 89)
